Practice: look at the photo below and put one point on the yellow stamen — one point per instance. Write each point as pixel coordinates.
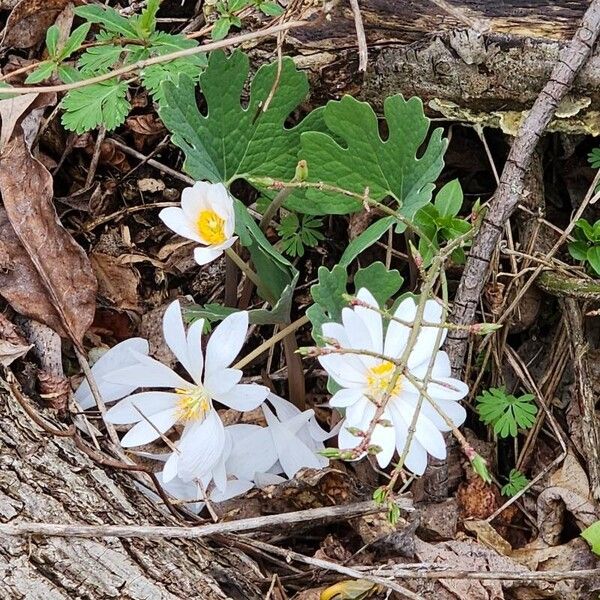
(379, 379)
(193, 404)
(211, 227)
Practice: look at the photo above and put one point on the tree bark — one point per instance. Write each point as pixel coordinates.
(418, 49)
(48, 479)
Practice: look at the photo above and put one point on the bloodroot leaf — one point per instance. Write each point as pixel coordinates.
(47, 275)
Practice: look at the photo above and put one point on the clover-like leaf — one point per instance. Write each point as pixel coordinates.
(390, 167)
(231, 141)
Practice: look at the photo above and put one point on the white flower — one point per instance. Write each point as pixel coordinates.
(364, 380)
(206, 216)
(290, 442)
(203, 440)
(217, 484)
(117, 357)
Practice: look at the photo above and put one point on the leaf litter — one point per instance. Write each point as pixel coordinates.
(53, 270)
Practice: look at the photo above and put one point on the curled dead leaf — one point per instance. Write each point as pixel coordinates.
(12, 343)
(52, 280)
(117, 283)
(29, 20)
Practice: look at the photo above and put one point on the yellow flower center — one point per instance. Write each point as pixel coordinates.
(379, 379)
(211, 227)
(193, 404)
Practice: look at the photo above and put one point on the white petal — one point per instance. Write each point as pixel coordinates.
(318, 434)
(345, 397)
(342, 370)
(444, 388)
(284, 409)
(149, 430)
(361, 413)
(359, 336)
(233, 488)
(201, 447)
(174, 334)
(441, 367)
(169, 471)
(244, 396)
(253, 453)
(397, 334)
(203, 256)
(427, 341)
(346, 440)
(263, 480)
(194, 200)
(219, 383)
(371, 318)
(175, 219)
(148, 403)
(453, 410)
(117, 357)
(220, 200)
(386, 438)
(425, 431)
(194, 348)
(416, 459)
(292, 453)
(147, 373)
(226, 342)
(337, 332)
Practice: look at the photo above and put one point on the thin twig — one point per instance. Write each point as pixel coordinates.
(155, 60)
(158, 531)
(361, 39)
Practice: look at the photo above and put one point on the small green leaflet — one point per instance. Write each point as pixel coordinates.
(328, 294)
(154, 75)
(592, 536)
(231, 141)
(367, 238)
(108, 18)
(389, 168)
(516, 482)
(505, 412)
(381, 282)
(99, 59)
(100, 103)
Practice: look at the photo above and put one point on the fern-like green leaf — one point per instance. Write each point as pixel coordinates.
(505, 412)
(102, 103)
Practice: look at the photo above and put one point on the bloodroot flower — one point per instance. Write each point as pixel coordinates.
(206, 216)
(117, 357)
(189, 403)
(364, 380)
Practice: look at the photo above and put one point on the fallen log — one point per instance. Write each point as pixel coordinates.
(485, 61)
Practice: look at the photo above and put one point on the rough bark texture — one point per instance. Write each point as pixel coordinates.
(512, 181)
(48, 479)
(416, 48)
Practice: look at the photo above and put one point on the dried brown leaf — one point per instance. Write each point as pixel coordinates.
(11, 110)
(488, 536)
(29, 20)
(117, 283)
(12, 343)
(59, 268)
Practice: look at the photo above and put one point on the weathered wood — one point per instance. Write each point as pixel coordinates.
(416, 48)
(49, 479)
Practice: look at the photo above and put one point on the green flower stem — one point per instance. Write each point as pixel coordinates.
(271, 342)
(364, 198)
(244, 268)
(274, 206)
